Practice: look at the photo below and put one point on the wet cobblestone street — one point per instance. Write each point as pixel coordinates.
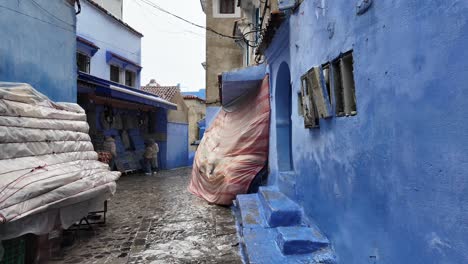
(154, 219)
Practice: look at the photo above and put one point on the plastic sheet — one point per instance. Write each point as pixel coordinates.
(48, 167)
(234, 149)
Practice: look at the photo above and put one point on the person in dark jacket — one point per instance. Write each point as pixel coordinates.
(150, 162)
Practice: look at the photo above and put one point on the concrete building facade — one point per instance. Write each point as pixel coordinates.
(196, 112)
(222, 53)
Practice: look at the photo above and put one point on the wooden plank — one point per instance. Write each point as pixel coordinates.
(318, 96)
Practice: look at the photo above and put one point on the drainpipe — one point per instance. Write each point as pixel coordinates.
(79, 7)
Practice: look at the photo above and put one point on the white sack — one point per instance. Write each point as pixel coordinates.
(47, 161)
(33, 184)
(20, 134)
(29, 163)
(30, 122)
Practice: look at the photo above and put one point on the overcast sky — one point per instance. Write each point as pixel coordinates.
(172, 50)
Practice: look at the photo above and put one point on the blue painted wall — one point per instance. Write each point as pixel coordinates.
(388, 185)
(162, 154)
(211, 112)
(161, 128)
(109, 35)
(38, 48)
(177, 145)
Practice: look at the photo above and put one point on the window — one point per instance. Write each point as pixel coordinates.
(314, 102)
(226, 6)
(326, 78)
(343, 79)
(318, 93)
(114, 73)
(300, 105)
(83, 62)
(226, 9)
(311, 119)
(338, 88)
(130, 78)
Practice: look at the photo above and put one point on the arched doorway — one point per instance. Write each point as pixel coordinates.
(283, 118)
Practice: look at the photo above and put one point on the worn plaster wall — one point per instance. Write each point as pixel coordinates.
(222, 54)
(388, 185)
(39, 49)
(108, 35)
(181, 114)
(197, 111)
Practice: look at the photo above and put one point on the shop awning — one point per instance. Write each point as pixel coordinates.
(237, 83)
(105, 88)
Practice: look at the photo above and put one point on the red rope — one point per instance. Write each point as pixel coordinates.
(21, 178)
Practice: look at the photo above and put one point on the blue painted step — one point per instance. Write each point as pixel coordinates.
(300, 240)
(261, 249)
(279, 209)
(251, 214)
(268, 243)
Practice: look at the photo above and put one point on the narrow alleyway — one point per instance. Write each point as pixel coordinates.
(153, 219)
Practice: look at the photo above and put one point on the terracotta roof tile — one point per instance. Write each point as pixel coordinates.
(274, 22)
(193, 97)
(165, 92)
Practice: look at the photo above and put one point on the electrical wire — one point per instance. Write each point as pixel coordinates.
(166, 31)
(113, 45)
(247, 41)
(65, 29)
(258, 59)
(36, 18)
(258, 29)
(265, 7)
(187, 21)
(50, 14)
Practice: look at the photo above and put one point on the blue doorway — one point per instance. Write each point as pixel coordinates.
(283, 118)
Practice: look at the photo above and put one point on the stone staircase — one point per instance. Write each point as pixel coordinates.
(273, 229)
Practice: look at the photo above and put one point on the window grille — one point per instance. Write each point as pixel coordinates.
(114, 73)
(311, 119)
(83, 62)
(344, 87)
(226, 6)
(130, 78)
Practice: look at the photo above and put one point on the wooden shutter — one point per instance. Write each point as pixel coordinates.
(309, 109)
(318, 94)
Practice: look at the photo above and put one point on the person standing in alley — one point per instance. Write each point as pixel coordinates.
(109, 146)
(149, 157)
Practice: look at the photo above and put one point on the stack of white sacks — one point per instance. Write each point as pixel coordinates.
(49, 171)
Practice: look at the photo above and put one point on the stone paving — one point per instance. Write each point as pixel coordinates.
(154, 219)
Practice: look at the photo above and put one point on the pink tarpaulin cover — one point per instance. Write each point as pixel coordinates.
(234, 149)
